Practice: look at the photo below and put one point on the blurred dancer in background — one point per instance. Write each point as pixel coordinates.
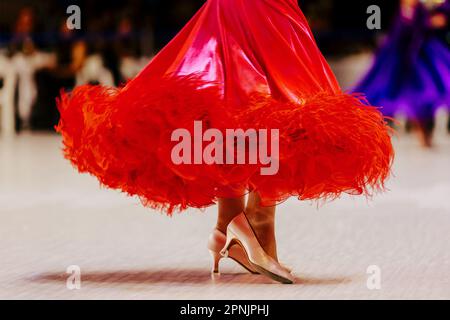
(443, 18)
(411, 71)
(71, 52)
(21, 48)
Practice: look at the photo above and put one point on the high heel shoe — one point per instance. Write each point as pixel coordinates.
(240, 232)
(216, 242)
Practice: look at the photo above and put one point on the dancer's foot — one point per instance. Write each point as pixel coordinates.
(266, 231)
(262, 220)
(240, 232)
(216, 243)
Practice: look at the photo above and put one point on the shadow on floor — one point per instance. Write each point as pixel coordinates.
(180, 277)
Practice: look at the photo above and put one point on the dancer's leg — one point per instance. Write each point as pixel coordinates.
(426, 126)
(262, 219)
(448, 124)
(228, 209)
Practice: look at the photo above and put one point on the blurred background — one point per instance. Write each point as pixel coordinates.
(52, 217)
(39, 55)
(119, 37)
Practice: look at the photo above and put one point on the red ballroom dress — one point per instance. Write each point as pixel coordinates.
(236, 64)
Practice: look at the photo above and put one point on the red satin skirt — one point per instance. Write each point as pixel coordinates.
(249, 64)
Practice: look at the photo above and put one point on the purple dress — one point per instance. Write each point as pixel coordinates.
(411, 71)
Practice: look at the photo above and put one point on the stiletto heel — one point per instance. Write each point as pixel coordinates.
(240, 232)
(216, 256)
(225, 251)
